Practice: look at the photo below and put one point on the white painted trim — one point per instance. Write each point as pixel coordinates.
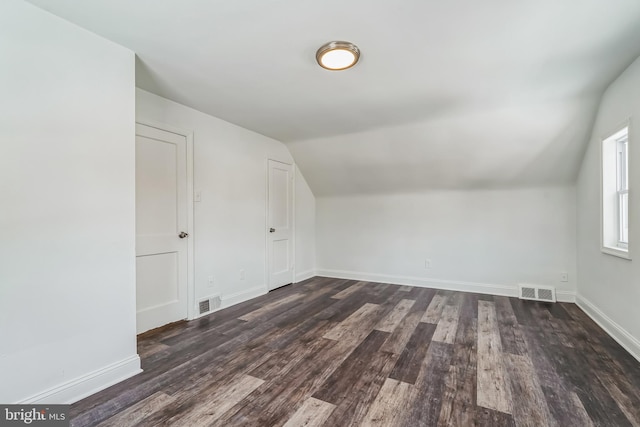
(293, 237)
(266, 223)
(451, 285)
(191, 254)
(617, 332)
(480, 288)
(304, 275)
(566, 296)
(236, 298)
(86, 385)
(191, 283)
(620, 253)
(242, 296)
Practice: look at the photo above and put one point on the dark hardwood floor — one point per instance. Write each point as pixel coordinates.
(339, 353)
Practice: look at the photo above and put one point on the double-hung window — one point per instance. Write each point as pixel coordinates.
(615, 193)
(622, 166)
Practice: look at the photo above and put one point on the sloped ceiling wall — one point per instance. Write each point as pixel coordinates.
(516, 146)
(448, 94)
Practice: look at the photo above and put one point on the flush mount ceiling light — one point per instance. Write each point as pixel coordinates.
(338, 56)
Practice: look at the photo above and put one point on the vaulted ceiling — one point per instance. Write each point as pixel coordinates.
(449, 94)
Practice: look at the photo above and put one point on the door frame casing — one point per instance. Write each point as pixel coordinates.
(191, 291)
(267, 266)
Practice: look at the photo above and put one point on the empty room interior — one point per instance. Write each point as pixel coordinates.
(338, 213)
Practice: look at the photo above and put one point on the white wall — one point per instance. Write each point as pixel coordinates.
(305, 229)
(609, 287)
(67, 216)
(516, 146)
(483, 241)
(230, 169)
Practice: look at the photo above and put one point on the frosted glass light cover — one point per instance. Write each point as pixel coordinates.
(338, 59)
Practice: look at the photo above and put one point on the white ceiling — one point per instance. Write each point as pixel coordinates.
(448, 94)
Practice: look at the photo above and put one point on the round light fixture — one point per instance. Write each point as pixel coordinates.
(337, 56)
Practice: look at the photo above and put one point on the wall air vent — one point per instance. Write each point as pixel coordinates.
(205, 306)
(208, 305)
(538, 293)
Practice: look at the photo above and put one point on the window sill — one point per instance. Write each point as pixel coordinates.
(620, 253)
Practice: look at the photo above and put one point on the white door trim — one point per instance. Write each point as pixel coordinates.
(293, 235)
(267, 264)
(191, 290)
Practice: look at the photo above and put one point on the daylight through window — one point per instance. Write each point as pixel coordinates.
(615, 193)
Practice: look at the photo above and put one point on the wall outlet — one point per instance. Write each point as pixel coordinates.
(564, 277)
(211, 281)
(427, 263)
(241, 274)
(197, 195)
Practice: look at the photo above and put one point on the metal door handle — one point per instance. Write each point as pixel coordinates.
(272, 230)
(182, 235)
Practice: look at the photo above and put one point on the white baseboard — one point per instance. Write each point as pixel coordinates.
(236, 298)
(450, 285)
(242, 296)
(617, 332)
(301, 277)
(566, 296)
(86, 385)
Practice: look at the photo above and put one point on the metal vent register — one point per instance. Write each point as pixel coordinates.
(204, 306)
(209, 304)
(538, 293)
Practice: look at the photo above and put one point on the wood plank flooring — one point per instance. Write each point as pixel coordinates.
(328, 352)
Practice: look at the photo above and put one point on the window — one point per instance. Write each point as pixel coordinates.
(622, 149)
(615, 194)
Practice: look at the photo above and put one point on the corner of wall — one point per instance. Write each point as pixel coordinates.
(617, 332)
(88, 384)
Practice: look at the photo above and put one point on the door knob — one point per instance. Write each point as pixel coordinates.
(272, 230)
(182, 235)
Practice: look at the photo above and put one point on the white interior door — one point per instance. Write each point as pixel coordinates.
(280, 223)
(161, 225)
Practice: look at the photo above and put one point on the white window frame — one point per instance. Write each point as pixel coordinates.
(622, 169)
(614, 190)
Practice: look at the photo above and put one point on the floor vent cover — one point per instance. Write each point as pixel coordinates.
(538, 293)
(209, 304)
